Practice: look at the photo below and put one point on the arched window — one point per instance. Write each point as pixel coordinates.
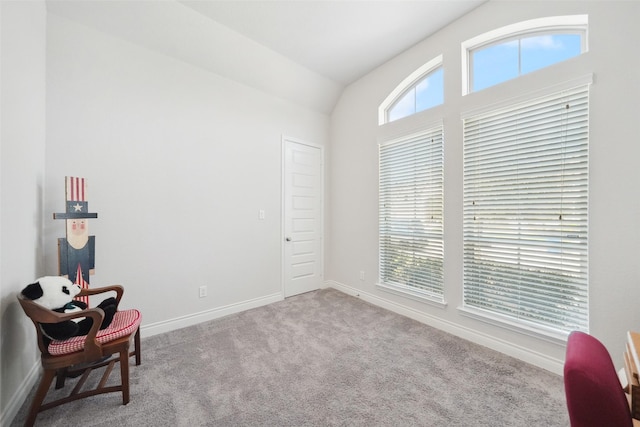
(421, 90)
(514, 50)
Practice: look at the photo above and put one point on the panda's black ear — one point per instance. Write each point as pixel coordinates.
(33, 291)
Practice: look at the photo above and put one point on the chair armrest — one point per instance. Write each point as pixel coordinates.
(118, 289)
(39, 314)
(94, 313)
(92, 348)
(91, 345)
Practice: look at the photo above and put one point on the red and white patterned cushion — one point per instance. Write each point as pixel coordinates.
(124, 323)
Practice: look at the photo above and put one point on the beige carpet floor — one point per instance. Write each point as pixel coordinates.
(321, 359)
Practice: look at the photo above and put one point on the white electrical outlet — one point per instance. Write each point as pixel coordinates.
(362, 275)
(203, 291)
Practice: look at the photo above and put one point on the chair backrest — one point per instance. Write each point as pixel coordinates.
(595, 397)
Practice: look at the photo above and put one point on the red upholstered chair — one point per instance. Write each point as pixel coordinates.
(595, 397)
(80, 355)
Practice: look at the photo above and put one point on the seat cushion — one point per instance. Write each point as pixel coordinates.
(124, 323)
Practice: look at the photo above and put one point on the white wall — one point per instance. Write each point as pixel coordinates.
(614, 175)
(178, 30)
(22, 143)
(179, 161)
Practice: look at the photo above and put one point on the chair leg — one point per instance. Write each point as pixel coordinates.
(43, 388)
(124, 375)
(137, 343)
(61, 375)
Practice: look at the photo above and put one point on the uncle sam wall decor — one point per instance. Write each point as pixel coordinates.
(76, 252)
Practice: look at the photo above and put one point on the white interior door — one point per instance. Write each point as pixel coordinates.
(302, 197)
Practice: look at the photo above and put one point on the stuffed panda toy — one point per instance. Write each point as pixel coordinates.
(56, 293)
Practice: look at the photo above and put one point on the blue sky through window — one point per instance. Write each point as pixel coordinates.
(427, 93)
(430, 91)
(501, 62)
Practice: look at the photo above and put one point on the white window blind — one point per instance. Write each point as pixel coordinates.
(411, 213)
(525, 212)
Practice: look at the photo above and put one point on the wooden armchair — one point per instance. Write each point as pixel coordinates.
(80, 355)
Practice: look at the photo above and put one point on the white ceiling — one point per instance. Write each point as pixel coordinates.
(341, 40)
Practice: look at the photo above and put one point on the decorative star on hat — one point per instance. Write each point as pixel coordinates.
(77, 205)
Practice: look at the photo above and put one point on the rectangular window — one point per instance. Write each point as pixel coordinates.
(525, 212)
(411, 206)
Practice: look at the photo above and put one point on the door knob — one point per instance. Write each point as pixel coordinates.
(288, 239)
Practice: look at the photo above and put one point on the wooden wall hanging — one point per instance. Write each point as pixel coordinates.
(76, 252)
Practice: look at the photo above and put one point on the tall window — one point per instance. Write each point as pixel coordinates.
(525, 212)
(511, 51)
(411, 214)
(421, 90)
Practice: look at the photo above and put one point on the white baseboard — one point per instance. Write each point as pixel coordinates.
(203, 316)
(21, 394)
(526, 355)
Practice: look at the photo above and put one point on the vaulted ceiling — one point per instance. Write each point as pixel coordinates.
(304, 43)
(341, 40)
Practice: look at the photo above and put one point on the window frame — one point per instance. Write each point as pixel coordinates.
(403, 144)
(568, 24)
(524, 326)
(405, 85)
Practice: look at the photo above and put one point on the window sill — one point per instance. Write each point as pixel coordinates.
(547, 334)
(414, 294)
